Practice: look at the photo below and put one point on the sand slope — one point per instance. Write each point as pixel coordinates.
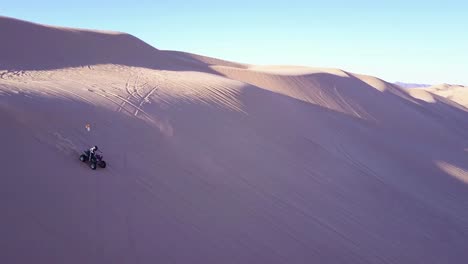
(219, 162)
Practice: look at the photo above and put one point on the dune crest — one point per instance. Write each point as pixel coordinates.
(456, 93)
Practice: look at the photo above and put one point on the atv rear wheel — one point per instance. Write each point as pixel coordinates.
(93, 165)
(83, 158)
(102, 164)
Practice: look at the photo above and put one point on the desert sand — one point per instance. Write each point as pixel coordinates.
(212, 161)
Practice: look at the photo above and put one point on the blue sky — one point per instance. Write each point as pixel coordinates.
(412, 41)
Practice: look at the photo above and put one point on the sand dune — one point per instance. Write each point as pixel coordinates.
(30, 46)
(456, 93)
(212, 161)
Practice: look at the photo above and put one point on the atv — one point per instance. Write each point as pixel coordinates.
(94, 161)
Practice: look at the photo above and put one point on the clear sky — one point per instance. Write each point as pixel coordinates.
(411, 41)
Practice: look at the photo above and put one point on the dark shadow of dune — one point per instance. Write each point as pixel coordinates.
(204, 60)
(281, 150)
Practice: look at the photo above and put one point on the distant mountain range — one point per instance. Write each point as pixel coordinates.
(412, 85)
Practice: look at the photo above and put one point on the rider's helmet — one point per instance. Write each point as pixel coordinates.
(95, 148)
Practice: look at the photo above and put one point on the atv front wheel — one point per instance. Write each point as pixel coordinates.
(102, 164)
(92, 165)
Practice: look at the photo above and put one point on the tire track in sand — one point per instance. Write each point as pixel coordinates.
(130, 93)
(144, 100)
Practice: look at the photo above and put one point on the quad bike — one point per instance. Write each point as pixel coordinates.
(95, 161)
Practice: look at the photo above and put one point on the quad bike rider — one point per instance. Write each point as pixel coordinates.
(94, 158)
